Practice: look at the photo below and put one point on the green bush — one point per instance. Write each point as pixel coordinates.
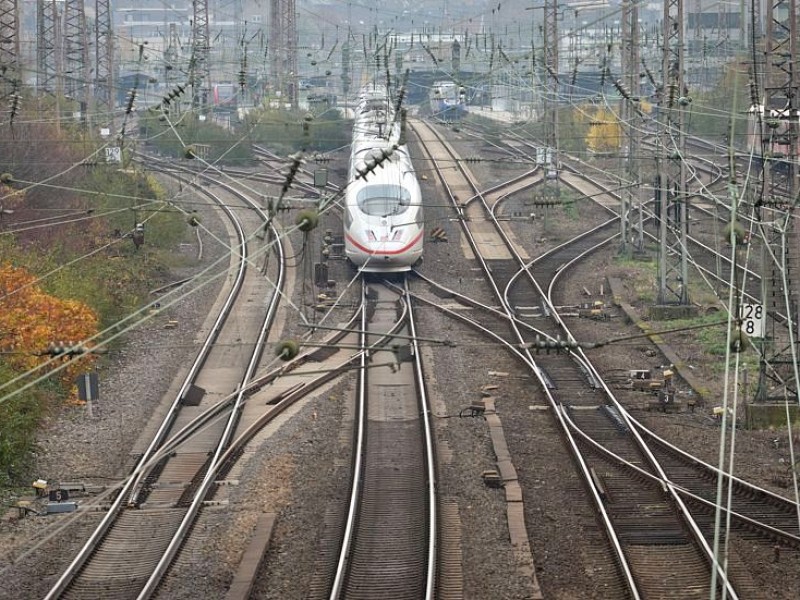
(172, 137)
(19, 419)
(84, 255)
(286, 132)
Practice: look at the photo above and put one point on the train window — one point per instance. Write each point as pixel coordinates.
(383, 200)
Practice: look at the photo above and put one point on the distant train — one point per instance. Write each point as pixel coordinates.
(448, 101)
(383, 220)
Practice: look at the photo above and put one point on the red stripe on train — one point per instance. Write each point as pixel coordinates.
(399, 251)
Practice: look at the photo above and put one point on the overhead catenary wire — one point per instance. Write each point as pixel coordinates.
(604, 98)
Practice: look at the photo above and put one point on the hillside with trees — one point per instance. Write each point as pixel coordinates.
(70, 268)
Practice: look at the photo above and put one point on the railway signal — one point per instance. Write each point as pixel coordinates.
(69, 349)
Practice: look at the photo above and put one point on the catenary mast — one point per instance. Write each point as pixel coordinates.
(10, 71)
(104, 61)
(283, 50)
(671, 192)
(776, 205)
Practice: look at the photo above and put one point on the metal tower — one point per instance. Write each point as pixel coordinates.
(778, 376)
(104, 60)
(76, 54)
(47, 45)
(10, 71)
(551, 94)
(172, 55)
(629, 89)
(671, 193)
(283, 49)
(199, 68)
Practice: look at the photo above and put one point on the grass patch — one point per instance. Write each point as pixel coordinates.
(640, 277)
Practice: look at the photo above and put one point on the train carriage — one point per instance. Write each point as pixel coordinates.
(383, 215)
(448, 101)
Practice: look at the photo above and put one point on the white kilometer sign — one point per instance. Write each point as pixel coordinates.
(113, 154)
(753, 318)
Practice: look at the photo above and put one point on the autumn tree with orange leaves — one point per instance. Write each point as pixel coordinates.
(605, 132)
(31, 320)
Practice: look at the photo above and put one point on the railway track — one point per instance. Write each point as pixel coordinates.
(608, 471)
(676, 527)
(389, 539)
(153, 512)
(707, 249)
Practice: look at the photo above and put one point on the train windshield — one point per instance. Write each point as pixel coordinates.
(383, 200)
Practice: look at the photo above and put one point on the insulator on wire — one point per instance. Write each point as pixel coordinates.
(649, 75)
(672, 91)
(403, 125)
(622, 89)
(67, 349)
(15, 99)
(297, 160)
(131, 100)
(754, 100)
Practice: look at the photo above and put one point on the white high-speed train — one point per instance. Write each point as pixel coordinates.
(383, 221)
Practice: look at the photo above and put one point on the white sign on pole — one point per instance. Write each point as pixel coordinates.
(113, 154)
(753, 318)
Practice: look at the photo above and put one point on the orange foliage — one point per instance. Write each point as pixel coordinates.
(31, 320)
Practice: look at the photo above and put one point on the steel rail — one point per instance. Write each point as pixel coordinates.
(683, 511)
(609, 529)
(359, 446)
(131, 487)
(233, 418)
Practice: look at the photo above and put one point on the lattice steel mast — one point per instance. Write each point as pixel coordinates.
(104, 60)
(47, 45)
(76, 55)
(283, 49)
(10, 69)
(775, 208)
(629, 89)
(199, 68)
(671, 193)
(551, 94)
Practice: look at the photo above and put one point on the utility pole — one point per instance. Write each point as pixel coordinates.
(671, 192)
(778, 369)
